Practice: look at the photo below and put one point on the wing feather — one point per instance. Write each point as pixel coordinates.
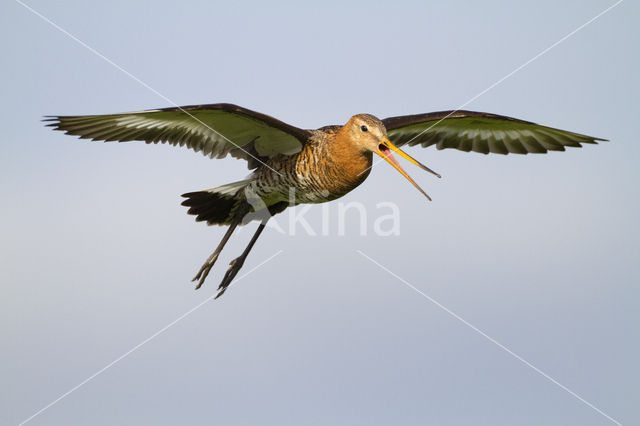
(480, 132)
(215, 130)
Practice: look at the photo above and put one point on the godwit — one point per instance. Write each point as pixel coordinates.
(315, 166)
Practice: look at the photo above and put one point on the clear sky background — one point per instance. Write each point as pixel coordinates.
(539, 252)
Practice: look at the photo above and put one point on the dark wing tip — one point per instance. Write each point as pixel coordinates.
(48, 118)
(53, 121)
(590, 139)
(191, 194)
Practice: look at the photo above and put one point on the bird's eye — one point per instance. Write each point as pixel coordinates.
(364, 128)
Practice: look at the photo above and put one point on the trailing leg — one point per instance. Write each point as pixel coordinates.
(237, 263)
(206, 267)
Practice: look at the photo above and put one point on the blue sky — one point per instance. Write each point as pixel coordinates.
(538, 252)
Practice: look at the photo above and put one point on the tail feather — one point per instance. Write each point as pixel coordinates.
(216, 206)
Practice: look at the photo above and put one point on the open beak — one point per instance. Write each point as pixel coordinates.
(384, 150)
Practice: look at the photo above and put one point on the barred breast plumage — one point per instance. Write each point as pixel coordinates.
(327, 168)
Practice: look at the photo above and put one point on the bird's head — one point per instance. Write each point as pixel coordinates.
(369, 134)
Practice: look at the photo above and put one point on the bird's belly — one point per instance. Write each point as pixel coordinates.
(298, 189)
(301, 179)
(305, 188)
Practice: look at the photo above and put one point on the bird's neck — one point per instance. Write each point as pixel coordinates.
(353, 162)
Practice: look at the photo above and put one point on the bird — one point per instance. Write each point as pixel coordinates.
(316, 166)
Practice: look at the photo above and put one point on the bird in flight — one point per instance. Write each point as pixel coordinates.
(315, 166)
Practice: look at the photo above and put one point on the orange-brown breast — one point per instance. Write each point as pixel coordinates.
(328, 167)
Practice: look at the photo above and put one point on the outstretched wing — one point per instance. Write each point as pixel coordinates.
(215, 130)
(480, 132)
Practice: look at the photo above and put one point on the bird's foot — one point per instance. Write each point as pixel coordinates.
(231, 273)
(204, 270)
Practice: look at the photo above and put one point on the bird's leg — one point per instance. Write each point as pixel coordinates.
(204, 270)
(237, 263)
(206, 267)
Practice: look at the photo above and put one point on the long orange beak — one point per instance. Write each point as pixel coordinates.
(384, 150)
